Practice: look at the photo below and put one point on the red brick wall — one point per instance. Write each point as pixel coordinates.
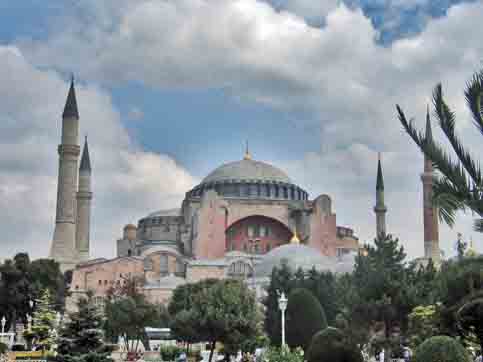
(276, 234)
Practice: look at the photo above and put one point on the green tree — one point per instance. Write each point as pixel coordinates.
(424, 323)
(128, 317)
(219, 311)
(334, 346)
(23, 280)
(441, 349)
(460, 186)
(44, 323)
(81, 339)
(281, 280)
(381, 280)
(305, 317)
(470, 317)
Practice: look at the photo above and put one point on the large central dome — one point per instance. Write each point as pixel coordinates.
(247, 170)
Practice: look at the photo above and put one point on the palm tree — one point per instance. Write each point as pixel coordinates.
(459, 185)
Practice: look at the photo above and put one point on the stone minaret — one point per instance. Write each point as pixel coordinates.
(380, 209)
(431, 234)
(84, 197)
(63, 243)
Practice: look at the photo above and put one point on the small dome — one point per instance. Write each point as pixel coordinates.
(247, 169)
(130, 226)
(296, 256)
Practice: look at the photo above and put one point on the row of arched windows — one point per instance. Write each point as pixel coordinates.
(253, 190)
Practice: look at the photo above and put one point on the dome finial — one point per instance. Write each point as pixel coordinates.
(247, 155)
(295, 239)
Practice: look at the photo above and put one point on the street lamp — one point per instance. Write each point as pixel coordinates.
(282, 304)
(3, 324)
(29, 322)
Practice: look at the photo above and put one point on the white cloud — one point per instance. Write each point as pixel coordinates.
(337, 71)
(127, 182)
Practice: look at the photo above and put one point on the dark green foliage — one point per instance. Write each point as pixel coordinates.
(128, 317)
(383, 284)
(3, 348)
(217, 311)
(331, 345)
(281, 281)
(170, 353)
(459, 187)
(470, 317)
(81, 338)
(441, 349)
(323, 285)
(23, 280)
(305, 317)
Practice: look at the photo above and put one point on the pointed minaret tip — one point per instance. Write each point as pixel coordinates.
(380, 179)
(247, 155)
(85, 164)
(70, 109)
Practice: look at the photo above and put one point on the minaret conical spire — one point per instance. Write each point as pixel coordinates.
(380, 179)
(70, 108)
(380, 209)
(85, 164)
(247, 155)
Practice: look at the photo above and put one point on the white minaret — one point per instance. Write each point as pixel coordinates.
(63, 243)
(84, 197)
(380, 209)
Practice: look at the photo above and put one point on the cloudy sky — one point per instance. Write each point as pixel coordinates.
(170, 89)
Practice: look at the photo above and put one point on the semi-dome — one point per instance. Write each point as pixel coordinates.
(247, 170)
(296, 256)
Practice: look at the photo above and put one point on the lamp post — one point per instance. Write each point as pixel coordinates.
(29, 322)
(4, 321)
(282, 304)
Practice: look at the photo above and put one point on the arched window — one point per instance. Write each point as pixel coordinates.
(240, 269)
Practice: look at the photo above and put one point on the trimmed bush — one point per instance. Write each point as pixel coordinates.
(170, 353)
(441, 349)
(331, 345)
(3, 348)
(305, 317)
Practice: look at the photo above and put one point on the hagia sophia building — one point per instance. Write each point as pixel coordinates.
(243, 219)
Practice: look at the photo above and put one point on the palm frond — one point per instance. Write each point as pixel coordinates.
(440, 158)
(446, 119)
(473, 94)
(448, 199)
(478, 226)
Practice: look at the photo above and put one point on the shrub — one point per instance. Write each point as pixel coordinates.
(441, 349)
(277, 354)
(305, 317)
(331, 345)
(3, 348)
(170, 353)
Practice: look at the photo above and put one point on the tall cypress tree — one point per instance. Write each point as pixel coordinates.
(81, 338)
(43, 323)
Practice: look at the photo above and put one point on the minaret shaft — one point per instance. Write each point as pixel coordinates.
(84, 197)
(430, 213)
(63, 242)
(380, 209)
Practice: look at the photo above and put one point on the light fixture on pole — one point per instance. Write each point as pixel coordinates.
(282, 304)
(4, 321)
(29, 322)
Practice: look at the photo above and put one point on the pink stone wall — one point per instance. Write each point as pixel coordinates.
(99, 277)
(197, 273)
(210, 240)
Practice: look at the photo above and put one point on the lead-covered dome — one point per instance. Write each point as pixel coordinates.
(249, 179)
(299, 256)
(247, 170)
